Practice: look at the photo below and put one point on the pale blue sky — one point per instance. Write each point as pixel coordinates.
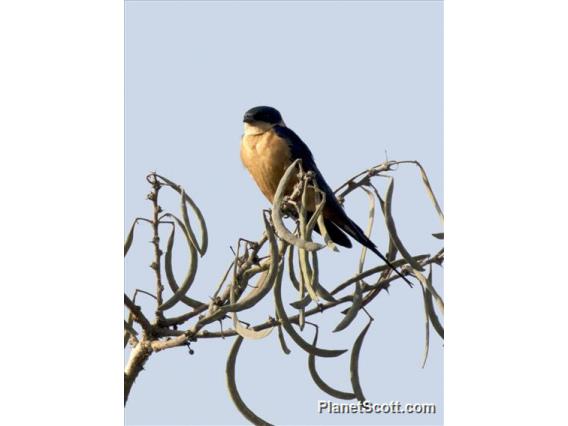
(353, 79)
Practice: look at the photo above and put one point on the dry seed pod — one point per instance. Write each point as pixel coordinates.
(354, 365)
(129, 237)
(430, 192)
(432, 315)
(283, 344)
(202, 225)
(322, 291)
(430, 308)
(275, 269)
(301, 304)
(427, 285)
(290, 329)
(328, 241)
(249, 333)
(317, 212)
(427, 328)
(281, 230)
(232, 385)
(293, 278)
(392, 250)
(320, 382)
(307, 275)
(170, 273)
(185, 217)
(310, 271)
(190, 276)
(369, 230)
(389, 221)
(352, 311)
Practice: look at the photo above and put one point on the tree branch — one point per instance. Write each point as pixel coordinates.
(138, 315)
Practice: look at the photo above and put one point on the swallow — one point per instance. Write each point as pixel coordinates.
(268, 147)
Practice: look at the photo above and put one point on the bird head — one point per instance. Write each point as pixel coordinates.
(261, 118)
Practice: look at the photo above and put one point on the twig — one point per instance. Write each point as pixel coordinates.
(156, 264)
(138, 315)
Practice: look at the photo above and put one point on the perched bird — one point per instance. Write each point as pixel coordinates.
(268, 148)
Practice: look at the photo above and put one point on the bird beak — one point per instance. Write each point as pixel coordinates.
(248, 119)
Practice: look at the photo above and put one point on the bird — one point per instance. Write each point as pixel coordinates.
(268, 147)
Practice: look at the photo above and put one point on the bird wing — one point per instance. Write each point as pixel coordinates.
(334, 215)
(298, 149)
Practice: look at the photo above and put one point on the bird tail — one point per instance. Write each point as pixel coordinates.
(335, 233)
(353, 230)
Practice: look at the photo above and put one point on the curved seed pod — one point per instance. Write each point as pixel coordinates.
(307, 274)
(391, 255)
(302, 303)
(392, 228)
(219, 312)
(190, 276)
(317, 217)
(232, 385)
(430, 309)
(302, 294)
(281, 230)
(353, 310)
(430, 192)
(275, 270)
(392, 250)
(427, 285)
(254, 270)
(170, 273)
(303, 212)
(293, 278)
(315, 284)
(317, 212)
(433, 317)
(320, 382)
(129, 237)
(370, 223)
(323, 293)
(328, 241)
(249, 333)
(427, 328)
(216, 312)
(185, 217)
(354, 365)
(290, 329)
(202, 225)
(283, 344)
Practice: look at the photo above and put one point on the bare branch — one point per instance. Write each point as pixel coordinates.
(138, 315)
(243, 291)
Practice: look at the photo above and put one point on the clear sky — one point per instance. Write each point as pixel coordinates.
(353, 79)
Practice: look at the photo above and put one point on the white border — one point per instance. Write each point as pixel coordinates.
(61, 118)
(506, 118)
